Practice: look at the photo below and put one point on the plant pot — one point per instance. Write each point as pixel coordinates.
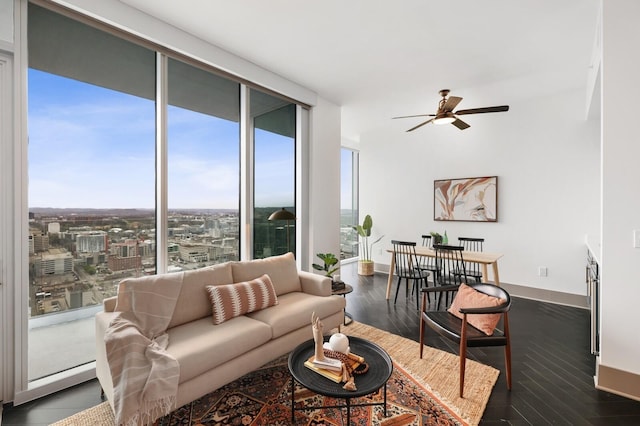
(365, 267)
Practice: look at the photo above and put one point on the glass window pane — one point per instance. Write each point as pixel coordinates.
(348, 203)
(91, 166)
(204, 168)
(274, 174)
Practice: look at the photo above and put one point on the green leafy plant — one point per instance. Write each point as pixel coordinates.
(329, 268)
(364, 231)
(437, 238)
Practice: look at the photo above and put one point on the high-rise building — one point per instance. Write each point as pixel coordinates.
(124, 256)
(40, 243)
(91, 242)
(194, 253)
(117, 263)
(53, 228)
(53, 262)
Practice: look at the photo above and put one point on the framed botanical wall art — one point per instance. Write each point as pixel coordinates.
(468, 199)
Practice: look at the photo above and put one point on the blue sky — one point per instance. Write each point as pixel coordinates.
(95, 148)
(346, 179)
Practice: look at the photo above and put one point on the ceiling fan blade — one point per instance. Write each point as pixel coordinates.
(420, 125)
(460, 124)
(411, 116)
(501, 108)
(451, 103)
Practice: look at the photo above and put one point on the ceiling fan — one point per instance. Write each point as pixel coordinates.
(445, 114)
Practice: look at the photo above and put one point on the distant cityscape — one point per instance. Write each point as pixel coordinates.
(77, 257)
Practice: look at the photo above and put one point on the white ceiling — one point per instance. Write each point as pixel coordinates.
(383, 58)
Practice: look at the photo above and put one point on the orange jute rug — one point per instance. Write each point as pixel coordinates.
(435, 375)
(437, 371)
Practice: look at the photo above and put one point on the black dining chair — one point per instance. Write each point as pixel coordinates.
(407, 267)
(428, 263)
(458, 328)
(472, 244)
(450, 264)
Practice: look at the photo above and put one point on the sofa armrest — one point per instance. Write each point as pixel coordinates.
(315, 284)
(109, 303)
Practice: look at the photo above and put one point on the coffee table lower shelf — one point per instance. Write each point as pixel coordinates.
(380, 369)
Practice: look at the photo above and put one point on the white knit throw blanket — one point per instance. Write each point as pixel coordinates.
(145, 377)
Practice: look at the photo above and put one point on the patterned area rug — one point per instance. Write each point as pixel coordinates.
(263, 397)
(420, 392)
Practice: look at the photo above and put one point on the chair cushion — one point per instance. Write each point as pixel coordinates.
(232, 300)
(468, 297)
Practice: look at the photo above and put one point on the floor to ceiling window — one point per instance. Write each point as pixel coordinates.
(91, 180)
(348, 203)
(92, 163)
(274, 131)
(204, 167)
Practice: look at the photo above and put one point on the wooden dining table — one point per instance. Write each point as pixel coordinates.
(483, 258)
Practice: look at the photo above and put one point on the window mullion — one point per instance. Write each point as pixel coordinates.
(246, 175)
(162, 215)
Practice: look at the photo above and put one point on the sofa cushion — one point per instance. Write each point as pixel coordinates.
(199, 346)
(293, 311)
(282, 270)
(193, 302)
(231, 300)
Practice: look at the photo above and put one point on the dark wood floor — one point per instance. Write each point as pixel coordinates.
(551, 362)
(552, 367)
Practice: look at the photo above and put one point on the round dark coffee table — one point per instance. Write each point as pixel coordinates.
(380, 369)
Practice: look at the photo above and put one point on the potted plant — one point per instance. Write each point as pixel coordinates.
(329, 264)
(329, 268)
(436, 237)
(365, 264)
(440, 239)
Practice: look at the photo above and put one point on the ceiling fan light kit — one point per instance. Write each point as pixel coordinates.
(445, 114)
(446, 118)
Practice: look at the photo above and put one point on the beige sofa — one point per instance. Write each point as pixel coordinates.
(211, 356)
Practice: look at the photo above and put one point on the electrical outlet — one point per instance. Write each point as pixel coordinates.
(636, 238)
(543, 271)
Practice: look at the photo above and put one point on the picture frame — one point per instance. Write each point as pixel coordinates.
(473, 199)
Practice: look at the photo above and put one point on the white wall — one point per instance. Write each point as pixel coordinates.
(324, 188)
(546, 157)
(620, 289)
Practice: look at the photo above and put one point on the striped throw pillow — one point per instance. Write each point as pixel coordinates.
(232, 300)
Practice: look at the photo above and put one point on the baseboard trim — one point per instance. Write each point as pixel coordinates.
(524, 292)
(550, 296)
(619, 382)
